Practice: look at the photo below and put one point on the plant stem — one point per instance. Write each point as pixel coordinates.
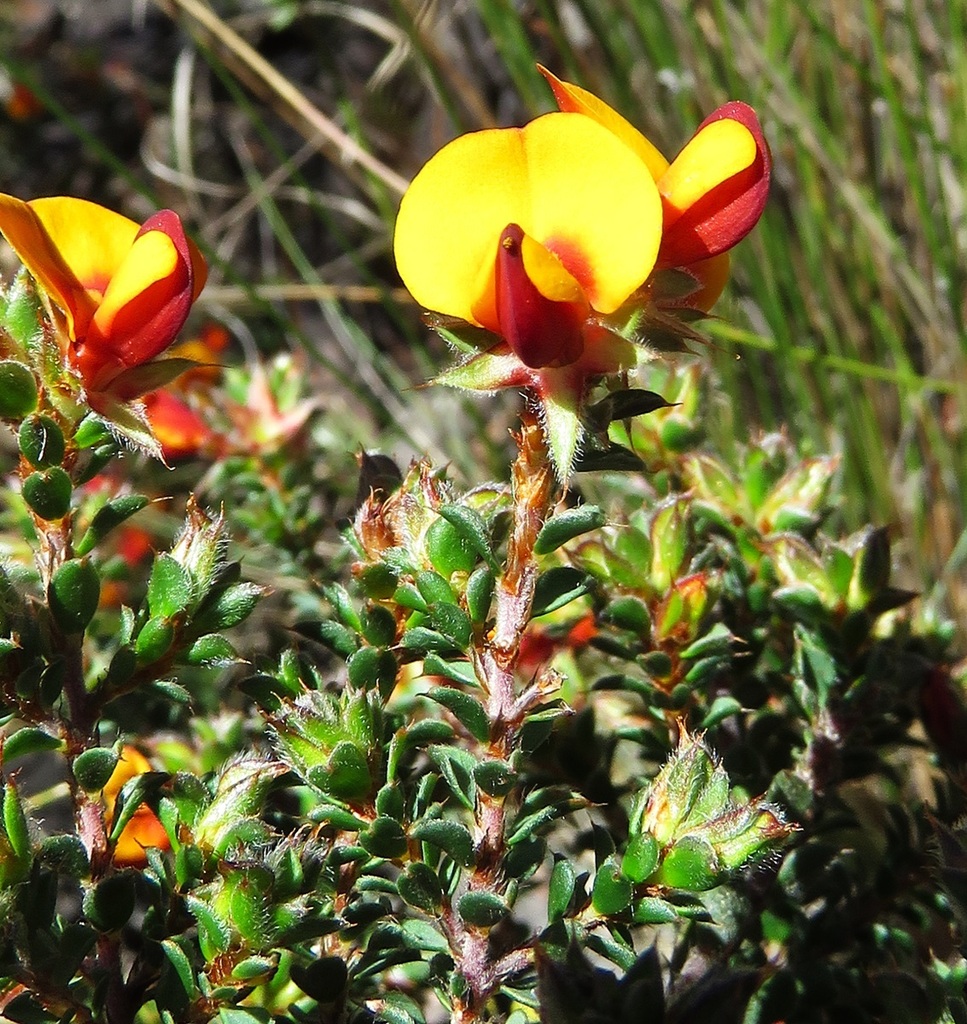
(533, 490)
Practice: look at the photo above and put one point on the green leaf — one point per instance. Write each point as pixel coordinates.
(337, 637)
(479, 593)
(419, 886)
(495, 777)
(434, 588)
(470, 525)
(558, 587)
(612, 892)
(567, 525)
(18, 390)
(614, 459)
(457, 768)
(16, 830)
(74, 593)
(450, 836)
(169, 588)
(379, 626)
(93, 768)
(560, 888)
(453, 623)
(342, 819)
(417, 735)
(421, 639)
(384, 838)
(624, 404)
(107, 517)
(154, 640)
(722, 707)
(29, 740)
(133, 794)
(482, 909)
(467, 709)
(323, 980)
(92, 432)
(180, 966)
(214, 935)
(212, 649)
(641, 857)
(41, 442)
(690, 864)
(653, 910)
(232, 606)
(110, 904)
(244, 1015)
(342, 605)
(48, 493)
(458, 671)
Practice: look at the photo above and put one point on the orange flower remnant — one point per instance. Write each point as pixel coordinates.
(125, 290)
(180, 431)
(144, 829)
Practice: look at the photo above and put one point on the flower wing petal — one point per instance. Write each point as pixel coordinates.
(716, 189)
(92, 242)
(149, 296)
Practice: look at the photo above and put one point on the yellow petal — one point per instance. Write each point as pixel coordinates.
(569, 183)
(594, 204)
(92, 240)
(38, 252)
(151, 258)
(547, 273)
(579, 101)
(718, 152)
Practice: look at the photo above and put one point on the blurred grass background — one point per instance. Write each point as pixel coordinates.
(284, 131)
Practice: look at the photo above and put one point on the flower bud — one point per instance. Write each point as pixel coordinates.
(243, 899)
(241, 788)
(686, 829)
(329, 740)
(199, 547)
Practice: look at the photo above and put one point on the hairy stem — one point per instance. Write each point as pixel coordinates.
(533, 488)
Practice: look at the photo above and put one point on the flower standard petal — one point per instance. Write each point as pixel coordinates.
(570, 184)
(91, 242)
(716, 188)
(450, 220)
(594, 204)
(576, 100)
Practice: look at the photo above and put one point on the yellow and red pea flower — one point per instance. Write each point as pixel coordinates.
(144, 829)
(124, 289)
(533, 233)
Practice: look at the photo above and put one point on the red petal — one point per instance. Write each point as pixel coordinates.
(727, 213)
(143, 325)
(541, 332)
